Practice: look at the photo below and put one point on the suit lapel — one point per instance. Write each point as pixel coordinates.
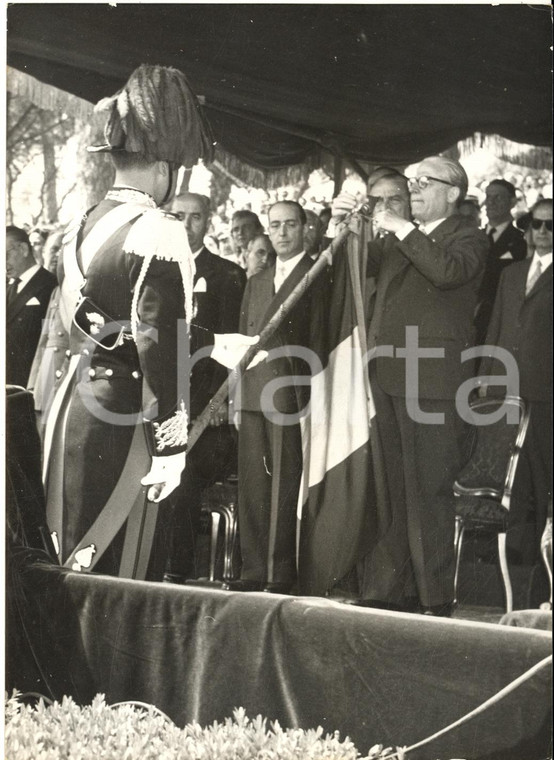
(287, 287)
(33, 286)
(264, 295)
(203, 264)
(544, 280)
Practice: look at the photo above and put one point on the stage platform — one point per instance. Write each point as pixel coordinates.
(197, 653)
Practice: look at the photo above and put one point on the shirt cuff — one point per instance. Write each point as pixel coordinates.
(331, 230)
(405, 230)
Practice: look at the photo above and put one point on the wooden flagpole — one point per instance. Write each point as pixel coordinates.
(324, 260)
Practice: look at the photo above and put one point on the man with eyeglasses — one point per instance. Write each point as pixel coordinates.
(272, 401)
(521, 323)
(427, 281)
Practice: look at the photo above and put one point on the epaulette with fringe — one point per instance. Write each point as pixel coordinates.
(72, 229)
(158, 234)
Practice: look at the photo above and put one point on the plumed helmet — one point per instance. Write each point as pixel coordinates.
(157, 115)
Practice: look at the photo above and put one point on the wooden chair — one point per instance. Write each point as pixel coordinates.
(483, 489)
(219, 504)
(546, 553)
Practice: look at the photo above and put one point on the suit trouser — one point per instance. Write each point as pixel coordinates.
(212, 459)
(270, 468)
(532, 491)
(414, 552)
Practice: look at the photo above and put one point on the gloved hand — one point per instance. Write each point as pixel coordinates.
(164, 476)
(229, 348)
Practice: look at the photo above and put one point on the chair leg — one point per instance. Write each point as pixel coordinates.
(504, 570)
(216, 517)
(458, 538)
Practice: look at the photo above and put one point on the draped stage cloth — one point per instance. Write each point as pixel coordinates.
(197, 653)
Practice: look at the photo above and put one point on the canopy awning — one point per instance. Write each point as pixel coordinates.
(378, 83)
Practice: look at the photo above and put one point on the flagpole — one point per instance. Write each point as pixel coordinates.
(324, 260)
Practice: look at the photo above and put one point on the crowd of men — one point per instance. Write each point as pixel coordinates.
(439, 285)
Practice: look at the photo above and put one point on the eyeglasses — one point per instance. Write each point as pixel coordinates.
(536, 224)
(423, 182)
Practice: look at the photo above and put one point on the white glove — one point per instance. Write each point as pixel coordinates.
(164, 476)
(229, 348)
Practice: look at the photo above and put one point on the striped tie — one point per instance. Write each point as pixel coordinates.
(534, 277)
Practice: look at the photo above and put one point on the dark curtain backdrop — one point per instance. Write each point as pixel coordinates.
(385, 83)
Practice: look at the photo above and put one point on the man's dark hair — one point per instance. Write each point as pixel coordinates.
(506, 185)
(294, 204)
(247, 214)
(123, 160)
(383, 172)
(20, 236)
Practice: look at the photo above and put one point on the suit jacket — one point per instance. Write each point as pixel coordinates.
(24, 324)
(523, 325)
(431, 282)
(219, 288)
(301, 327)
(511, 243)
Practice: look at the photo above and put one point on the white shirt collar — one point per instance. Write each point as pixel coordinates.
(195, 253)
(25, 276)
(498, 228)
(284, 268)
(430, 226)
(545, 260)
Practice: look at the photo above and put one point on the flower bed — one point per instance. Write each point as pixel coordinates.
(65, 731)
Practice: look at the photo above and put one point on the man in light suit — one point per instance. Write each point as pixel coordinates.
(218, 289)
(427, 282)
(272, 401)
(507, 245)
(521, 323)
(28, 293)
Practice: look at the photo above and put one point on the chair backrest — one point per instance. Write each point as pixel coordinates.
(25, 502)
(492, 465)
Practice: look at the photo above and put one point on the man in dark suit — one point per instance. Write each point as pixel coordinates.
(273, 398)
(427, 282)
(28, 293)
(218, 288)
(507, 245)
(521, 323)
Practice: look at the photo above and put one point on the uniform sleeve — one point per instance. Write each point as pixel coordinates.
(163, 344)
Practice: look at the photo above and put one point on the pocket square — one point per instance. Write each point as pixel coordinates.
(201, 286)
(33, 302)
(507, 255)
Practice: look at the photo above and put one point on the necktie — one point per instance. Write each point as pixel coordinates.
(534, 277)
(11, 291)
(490, 233)
(281, 276)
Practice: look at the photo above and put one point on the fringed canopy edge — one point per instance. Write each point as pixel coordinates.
(46, 96)
(529, 156)
(268, 179)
